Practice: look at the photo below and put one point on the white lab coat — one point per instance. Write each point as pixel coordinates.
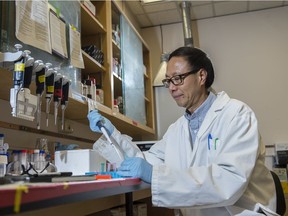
(223, 174)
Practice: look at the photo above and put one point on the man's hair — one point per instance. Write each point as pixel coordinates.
(196, 59)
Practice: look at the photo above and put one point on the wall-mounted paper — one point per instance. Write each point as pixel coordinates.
(58, 35)
(75, 48)
(32, 24)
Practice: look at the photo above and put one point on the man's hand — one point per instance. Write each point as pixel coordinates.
(94, 117)
(136, 167)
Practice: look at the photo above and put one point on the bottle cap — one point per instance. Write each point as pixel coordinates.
(36, 151)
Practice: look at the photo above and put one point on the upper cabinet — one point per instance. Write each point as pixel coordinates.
(124, 73)
(117, 69)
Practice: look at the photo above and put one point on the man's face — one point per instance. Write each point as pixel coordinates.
(190, 94)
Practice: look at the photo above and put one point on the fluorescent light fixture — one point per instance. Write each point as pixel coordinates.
(150, 1)
(162, 70)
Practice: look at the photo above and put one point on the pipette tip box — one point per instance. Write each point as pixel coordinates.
(79, 161)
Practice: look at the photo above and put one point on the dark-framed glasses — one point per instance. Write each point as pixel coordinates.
(178, 79)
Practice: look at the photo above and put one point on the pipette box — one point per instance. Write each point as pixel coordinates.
(79, 161)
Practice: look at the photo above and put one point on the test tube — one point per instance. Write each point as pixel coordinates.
(14, 167)
(108, 169)
(102, 167)
(1, 143)
(23, 158)
(30, 159)
(42, 161)
(3, 163)
(36, 159)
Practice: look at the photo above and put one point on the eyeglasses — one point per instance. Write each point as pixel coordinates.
(178, 79)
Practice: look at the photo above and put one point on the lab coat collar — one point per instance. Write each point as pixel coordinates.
(221, 100)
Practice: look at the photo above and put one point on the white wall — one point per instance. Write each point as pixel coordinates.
(250, 56)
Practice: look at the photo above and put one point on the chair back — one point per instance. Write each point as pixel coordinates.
(281, 204)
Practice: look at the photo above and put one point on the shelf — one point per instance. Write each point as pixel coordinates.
(91, 65)
(77, 109)
(116, 50)
(117, 77)
(87, 17)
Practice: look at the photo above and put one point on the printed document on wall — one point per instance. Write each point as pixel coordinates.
(58, 34)
(75, 48)
(32, 24)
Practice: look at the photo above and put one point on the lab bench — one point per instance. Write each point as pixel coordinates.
(28, 197)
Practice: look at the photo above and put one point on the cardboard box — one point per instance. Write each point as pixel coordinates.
(78, 161)
(90, 6)
(139, 209)
(118, 211)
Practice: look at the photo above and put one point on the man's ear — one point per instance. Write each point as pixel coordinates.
(203, 76)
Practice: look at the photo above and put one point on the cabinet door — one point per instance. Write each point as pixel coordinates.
(133, 74)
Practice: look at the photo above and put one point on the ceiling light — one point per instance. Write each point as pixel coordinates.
(151, 1)
(163, 65)
(162, 70)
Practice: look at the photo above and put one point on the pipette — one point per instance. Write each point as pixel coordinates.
(49, 82)
(104, 131)
(18, 80)
(27, 75)
(39, 69)
(64, 100)
(57, 95)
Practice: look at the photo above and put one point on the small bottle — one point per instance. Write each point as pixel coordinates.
(30, 159)
(3, 164)
(3, 156)
(93, 88)
(36, 159)
(84, 89)
(120, 104)
(15, 167)
(42, 160)
(88, 90)
(23, 158)
(99, 94)
(1, 143)
(116, 108)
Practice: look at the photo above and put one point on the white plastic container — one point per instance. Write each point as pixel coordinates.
(78, 161)
(3, 164)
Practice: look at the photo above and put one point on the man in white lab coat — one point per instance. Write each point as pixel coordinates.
(211, 160)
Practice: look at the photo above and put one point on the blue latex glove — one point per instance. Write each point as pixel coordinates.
(94, 117)
(136, 167)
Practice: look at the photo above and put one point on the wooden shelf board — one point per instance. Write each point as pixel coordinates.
(91, 65)
(87, 17)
